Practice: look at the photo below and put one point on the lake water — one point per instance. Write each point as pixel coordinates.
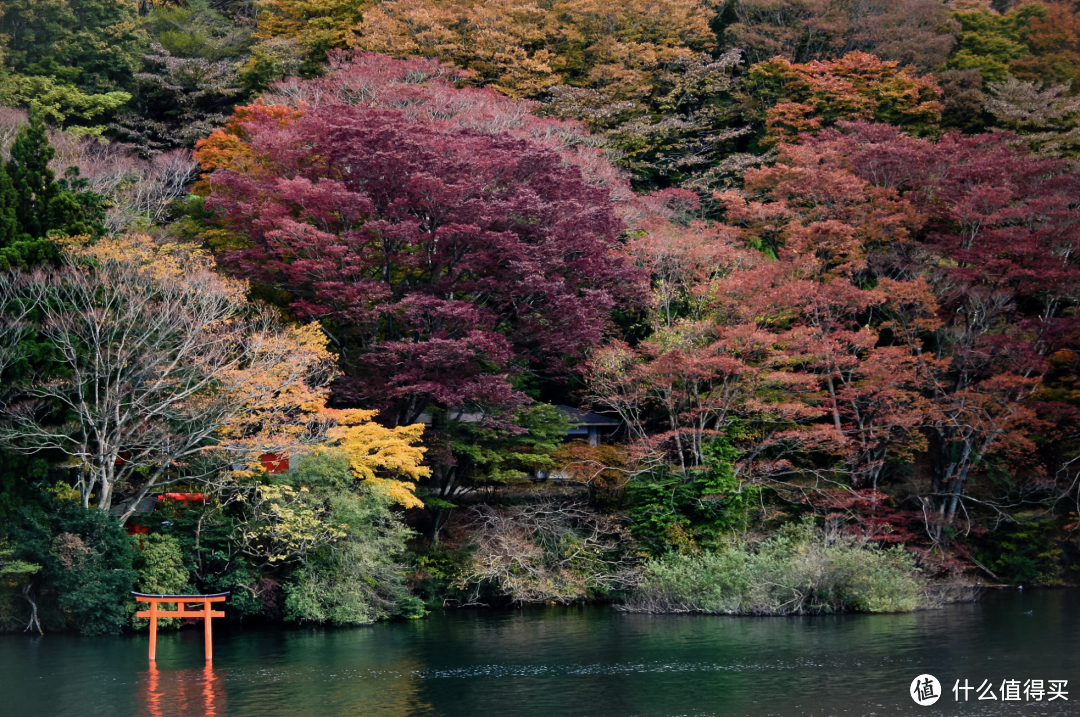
(579, 662)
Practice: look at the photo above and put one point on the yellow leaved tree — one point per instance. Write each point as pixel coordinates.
(284, 417)
(316, 24)
(523, 48)
(386, 460)
(286, 522)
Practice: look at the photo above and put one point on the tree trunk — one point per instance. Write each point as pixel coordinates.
(34, 622)
(437, 524)
(835, 408)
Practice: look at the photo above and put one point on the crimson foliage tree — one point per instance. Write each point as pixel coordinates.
(427, 92)
(446, 263)
(999, 251)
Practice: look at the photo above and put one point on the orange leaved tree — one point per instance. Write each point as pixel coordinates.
(795, 98)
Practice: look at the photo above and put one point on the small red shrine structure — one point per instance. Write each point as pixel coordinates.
(275, 462)
(181, 612)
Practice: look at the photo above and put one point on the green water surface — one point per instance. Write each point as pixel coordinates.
(581, 662)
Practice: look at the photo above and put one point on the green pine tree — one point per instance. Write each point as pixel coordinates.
(34, 205)
(34, 183)
(9, 223)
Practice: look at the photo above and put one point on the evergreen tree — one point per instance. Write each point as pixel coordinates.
(34, 183)
(95, 45)
(33, 204)
(9, 224)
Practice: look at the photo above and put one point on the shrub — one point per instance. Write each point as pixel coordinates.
(693, 510)
(85, 558)
(801, 570)
(1026, 552)
(547, 551)
(358, 579)
(160, 562)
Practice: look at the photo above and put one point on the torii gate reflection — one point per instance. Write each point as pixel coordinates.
(183, 692)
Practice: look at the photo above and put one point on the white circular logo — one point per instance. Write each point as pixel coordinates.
(925, 690)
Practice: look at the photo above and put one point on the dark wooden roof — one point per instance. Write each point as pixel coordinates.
(581, 417)
(185, 597)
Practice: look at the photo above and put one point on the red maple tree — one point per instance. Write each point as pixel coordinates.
(447, 260)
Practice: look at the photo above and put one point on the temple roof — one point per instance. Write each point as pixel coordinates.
(581, 417)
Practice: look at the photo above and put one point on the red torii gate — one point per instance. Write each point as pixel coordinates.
(205, 613)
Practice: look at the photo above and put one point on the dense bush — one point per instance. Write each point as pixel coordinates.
(85, 558)
(1025, 552)
(672, 510)
(160, 562)
(801, 570)
(547, 551)
(358, 579)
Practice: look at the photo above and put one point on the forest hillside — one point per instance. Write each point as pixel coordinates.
(361, 308)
